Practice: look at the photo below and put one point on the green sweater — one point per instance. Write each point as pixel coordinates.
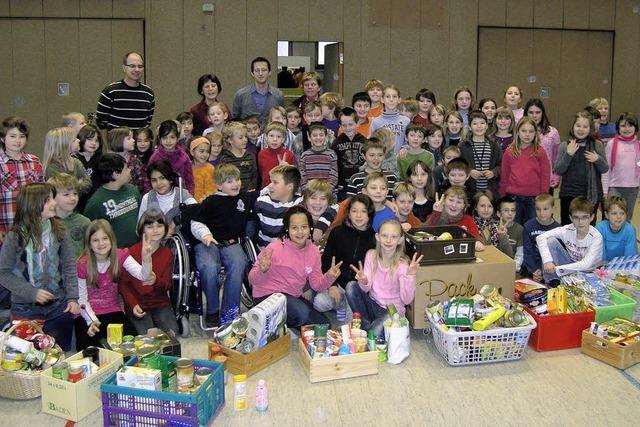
(84, 182)
(76, 226)
(403, 164)
(120, 208)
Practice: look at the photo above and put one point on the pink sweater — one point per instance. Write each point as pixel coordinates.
(525, 175)
(386, 286)
(104, 298)
(624, 172)
(291, 267)
(550, 142)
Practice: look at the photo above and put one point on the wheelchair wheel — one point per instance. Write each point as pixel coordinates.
(246, 291)
(181, 275)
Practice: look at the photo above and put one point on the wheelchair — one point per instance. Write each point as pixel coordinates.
(187, 291)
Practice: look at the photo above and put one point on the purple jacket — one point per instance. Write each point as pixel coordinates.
(179, 161)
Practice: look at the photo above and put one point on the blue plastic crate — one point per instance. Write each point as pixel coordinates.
(129, 407)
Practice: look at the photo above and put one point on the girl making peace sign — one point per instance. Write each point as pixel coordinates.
(285, 266)
(387, 277)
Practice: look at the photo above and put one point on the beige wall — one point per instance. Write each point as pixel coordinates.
(410, 43)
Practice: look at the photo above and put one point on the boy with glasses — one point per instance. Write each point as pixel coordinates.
(573, 247)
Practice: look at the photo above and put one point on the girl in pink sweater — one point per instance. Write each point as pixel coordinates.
(525, 170)
(286, 265)
(623, 155)
(387, 277)
(99, 271)
(168, 149)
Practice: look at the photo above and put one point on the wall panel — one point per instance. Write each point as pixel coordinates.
(197, 48)
(95, 66)
(6, 69)
(519, 13)
(492, 48)
(353, 76)
(231, 46)
(626, 61)
(326, 20)
(262, 30)
(576, 14)
(492, 12)
(404, 46)
(28, 78)
(61, 8)
(26, 8)
(61, 59)
(547, 13)
(96, 9)
(293, 20)
(463, 44)
(547, 54)
(376, 47)
(434, 42)
(602, 14)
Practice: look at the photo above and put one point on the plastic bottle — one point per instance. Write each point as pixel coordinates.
(262, 396)
(240, 392)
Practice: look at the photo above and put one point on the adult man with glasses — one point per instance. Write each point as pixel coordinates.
(258, 98)
(127, 102)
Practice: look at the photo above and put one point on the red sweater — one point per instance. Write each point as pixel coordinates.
(135, 293)
(525, 175)
(268, 159)
(466, 222)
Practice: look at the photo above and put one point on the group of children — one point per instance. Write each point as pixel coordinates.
(351, 180)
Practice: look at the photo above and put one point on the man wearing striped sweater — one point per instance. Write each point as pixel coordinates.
(128, 102)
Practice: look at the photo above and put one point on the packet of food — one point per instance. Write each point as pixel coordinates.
(460, 313)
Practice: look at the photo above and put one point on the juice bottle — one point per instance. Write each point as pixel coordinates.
(240, 392)
(262, 396)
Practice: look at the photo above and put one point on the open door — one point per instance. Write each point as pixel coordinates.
(334, 68)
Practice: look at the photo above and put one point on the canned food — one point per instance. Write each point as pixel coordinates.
(76, 373)
(202, 374)
(35, 357)
(128, 338)
(53, 356)
(93, 353)
(239, 326)
(13, 360)
(60, 371)
(185, 372)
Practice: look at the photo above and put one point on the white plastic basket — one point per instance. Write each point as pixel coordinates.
(472, 348)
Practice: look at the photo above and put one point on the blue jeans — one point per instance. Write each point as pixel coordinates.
(525, 208)
(559, 256)
(372, 315)
(57, 323)
(300, 312)
(209, 260)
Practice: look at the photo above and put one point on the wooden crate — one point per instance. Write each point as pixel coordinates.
(337, 367)
(620, 356)
(249, 364)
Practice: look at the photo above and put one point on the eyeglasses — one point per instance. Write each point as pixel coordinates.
(134, 66)
(583, 218)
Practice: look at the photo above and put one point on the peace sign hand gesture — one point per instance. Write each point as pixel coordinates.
(502, 228)
(360, 276)
(264, 260)
(414, 264)
(282, 160)
(147, 249)
(334, 270)
(438, 205)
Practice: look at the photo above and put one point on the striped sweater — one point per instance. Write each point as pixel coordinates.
(357, 182)
(321, 165)
(121, 105)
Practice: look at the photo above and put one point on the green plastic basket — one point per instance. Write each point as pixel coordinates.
(623, 307)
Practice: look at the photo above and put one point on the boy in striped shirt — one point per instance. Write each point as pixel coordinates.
(320, 161)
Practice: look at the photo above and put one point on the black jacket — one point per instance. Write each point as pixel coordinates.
(350, 246)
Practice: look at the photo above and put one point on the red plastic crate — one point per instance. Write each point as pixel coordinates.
(559, 331)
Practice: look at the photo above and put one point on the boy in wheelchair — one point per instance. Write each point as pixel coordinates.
(217, 225)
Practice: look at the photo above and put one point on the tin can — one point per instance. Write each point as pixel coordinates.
(13, 360)
(43, 341)
(128, 338)
(76, 373)
(185, 372)
(93, 353)
(239, 326)
(52, 356)
(60, 371)
(202, 374)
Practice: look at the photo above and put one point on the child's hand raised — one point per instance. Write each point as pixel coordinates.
(147, 248)
(334, 270)
(402, 153)
(414, 264)
(282, 160)
(360, 276)
(572, 147)
(438, 205)
(264, 260)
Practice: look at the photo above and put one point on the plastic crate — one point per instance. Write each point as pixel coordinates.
(623, 307)
(473, 348)
(126, 406)
(560, 331)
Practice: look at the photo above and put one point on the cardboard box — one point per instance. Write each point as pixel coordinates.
(337, 367)
(74, 401)
(443, 282)
(620, 356)
(460, 248)
(249, 364)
